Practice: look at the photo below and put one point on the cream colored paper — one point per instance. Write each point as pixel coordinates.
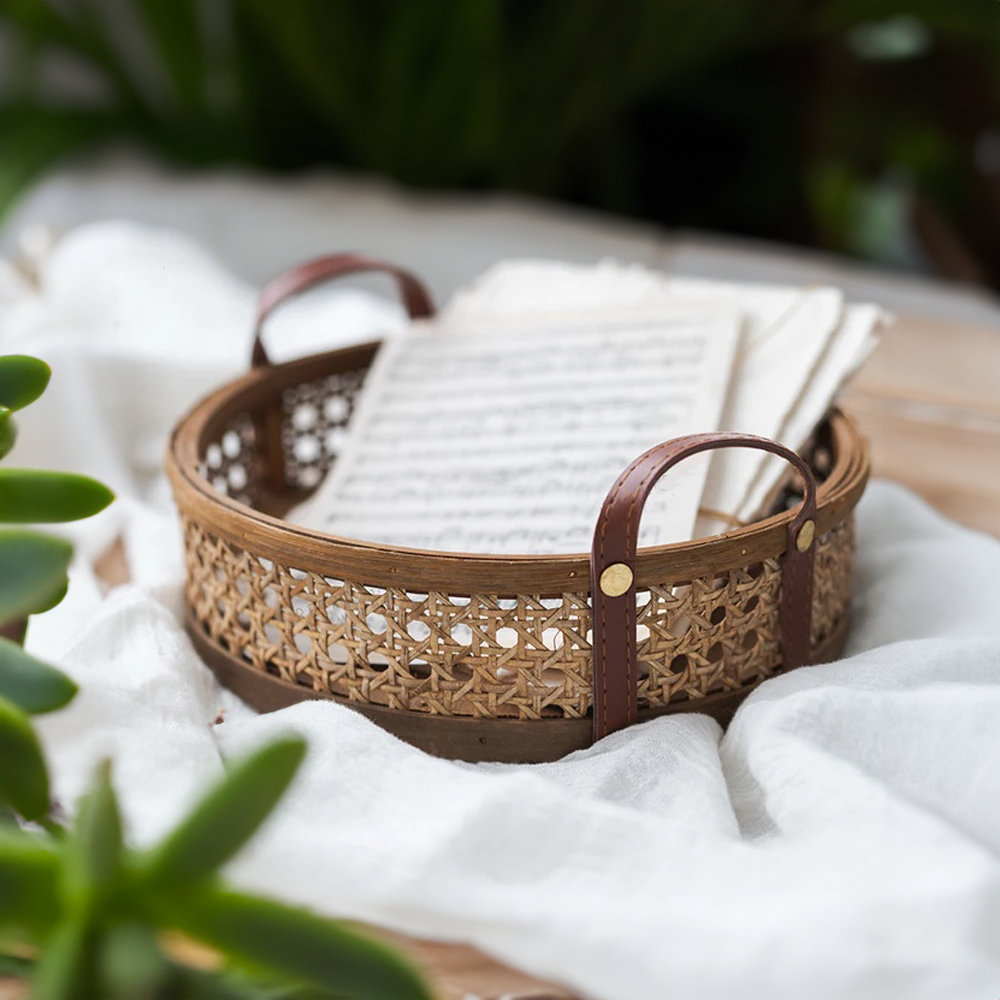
(801, 345)
(504, 435)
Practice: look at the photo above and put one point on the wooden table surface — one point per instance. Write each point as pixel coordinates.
(929, 401)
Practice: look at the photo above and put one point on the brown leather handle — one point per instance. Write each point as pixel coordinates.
(299, 279)
(612, 572)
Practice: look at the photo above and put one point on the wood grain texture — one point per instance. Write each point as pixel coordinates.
(929, 401)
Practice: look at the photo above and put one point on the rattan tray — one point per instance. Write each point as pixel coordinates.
(469, 656)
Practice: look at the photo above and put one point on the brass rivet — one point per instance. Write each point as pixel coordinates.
(806, 534)
(616, 579)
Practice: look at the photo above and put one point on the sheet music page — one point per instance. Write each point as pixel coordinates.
(504, 435)
(789, 331)
(847, 350)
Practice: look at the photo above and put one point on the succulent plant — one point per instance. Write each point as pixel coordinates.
(83, 916)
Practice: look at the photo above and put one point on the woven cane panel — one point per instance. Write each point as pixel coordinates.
(314, 415)
(834, 580)
(489, 656)
(232, 464)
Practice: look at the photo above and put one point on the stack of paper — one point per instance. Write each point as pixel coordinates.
(500, 426)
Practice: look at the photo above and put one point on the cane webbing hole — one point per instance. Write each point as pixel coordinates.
(679, 664)
(334, 440)
(462, 634)
(751, 604)
(307, 448)
(236, 478)
(507, 637)
(718, 615)
(552, 638)
(418, 630)
(715, 652)
(376, 623)
(304, 416)
(338, 653)
(755, 570)
(750, 639)
(336, 409)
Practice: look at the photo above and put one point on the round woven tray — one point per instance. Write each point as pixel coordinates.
(469, 656)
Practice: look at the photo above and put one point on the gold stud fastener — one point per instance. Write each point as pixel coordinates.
(616, 580)
(806, 534)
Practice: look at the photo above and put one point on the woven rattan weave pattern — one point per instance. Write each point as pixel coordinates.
(459, 640)
(314, 415)
(487, 655)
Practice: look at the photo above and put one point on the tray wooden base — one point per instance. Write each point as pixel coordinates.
(523, 742)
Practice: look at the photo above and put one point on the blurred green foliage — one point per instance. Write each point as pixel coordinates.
(82, 916)
(816, 121)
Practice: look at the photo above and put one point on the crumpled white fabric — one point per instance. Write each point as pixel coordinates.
(841, 840)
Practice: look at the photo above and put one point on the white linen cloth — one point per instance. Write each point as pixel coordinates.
(841, 840)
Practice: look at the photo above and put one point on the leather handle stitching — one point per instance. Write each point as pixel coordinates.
(662, 458)
(595, 584)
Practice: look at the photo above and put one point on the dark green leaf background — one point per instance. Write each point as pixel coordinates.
(785, 119)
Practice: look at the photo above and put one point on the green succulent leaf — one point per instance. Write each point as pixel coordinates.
(31, 567)
(8, 431)
(92, 857)
(29, 898)
(22, 380)
(55, 596)
(193, 984)
(15, 967)
(272, 937)
(67, 967)
(228, 816)
(24, 780)
(36, 496)
(32, 685)
(131, 964)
